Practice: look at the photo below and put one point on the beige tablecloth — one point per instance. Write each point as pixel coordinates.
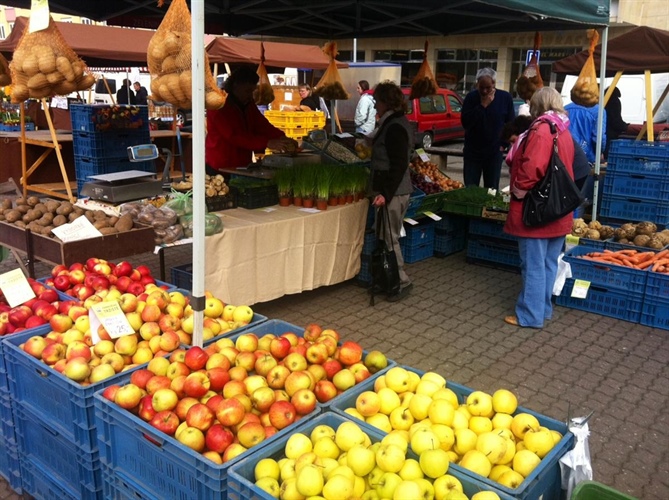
(262, 255)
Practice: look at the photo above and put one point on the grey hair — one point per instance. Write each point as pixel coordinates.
(546, 99)
(489, 72)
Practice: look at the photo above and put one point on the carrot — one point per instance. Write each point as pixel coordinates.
(658, 263)
(646, 264)
(662, 254)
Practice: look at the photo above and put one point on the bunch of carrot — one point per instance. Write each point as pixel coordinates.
(655, 261)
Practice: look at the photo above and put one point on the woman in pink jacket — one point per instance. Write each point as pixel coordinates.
(539, 246)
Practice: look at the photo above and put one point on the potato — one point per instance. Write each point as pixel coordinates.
(32, 200)
(38, 82)
(6, 203)
(65, 67)
(46, 59)
(65, 208)
(59, 220)
(52, 205)
(23, 208)
(100, 223)
(30, 65)
(99, 214)
(41, 206)
(13, 215)
(108, 230)
(20, 223)
(124, 223)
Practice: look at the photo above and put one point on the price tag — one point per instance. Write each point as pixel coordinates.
(432, 216)
(16, 288)
(310, 210)
(409, 220)
(39, 15)
(80, 229)
(111, 316)
(570, 241)
(422, 154)
(580, 290)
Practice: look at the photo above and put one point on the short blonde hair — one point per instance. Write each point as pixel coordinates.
(546, 99)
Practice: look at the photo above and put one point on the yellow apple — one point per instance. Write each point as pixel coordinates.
(480, 424)
(525, 461)
(493, 446)
(448, 395)
(397, 379)
(213, 307)
(522, 423)
(387, 484)
(434, 463)
(389, 400)
(502, 421)
(424, 439)
(441, 411)
(445, 434)
(434, 377)
(411, 470)
(380, 421)
(540, 441)
(242, 315)
(480, 403)
(349, 434)
(407, 489)
(267, 467)
(338, 487)
(465, 440)
(485, 495)
(269, 485)
(497, 471)
(504, 401)
(390, 458)
(419, 405)
(477, 462)
(361, 460)
(444, 485)
(397, 439)
(309, 480)
(511, 479)
(326, 448)
(297, 444)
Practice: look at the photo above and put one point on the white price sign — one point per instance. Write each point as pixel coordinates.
(15, 287)
(580, 290)
(111, 317)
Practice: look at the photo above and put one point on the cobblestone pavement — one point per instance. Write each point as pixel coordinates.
(452, 323)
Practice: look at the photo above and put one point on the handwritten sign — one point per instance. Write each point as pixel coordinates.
(16, 288)
(111, 317)
(80, 229)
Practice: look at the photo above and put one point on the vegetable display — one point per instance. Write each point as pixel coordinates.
(655, 261)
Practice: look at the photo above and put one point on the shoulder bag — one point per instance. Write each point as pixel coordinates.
(383, 266)
(554, 196)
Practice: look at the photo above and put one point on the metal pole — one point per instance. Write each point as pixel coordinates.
(600, 121)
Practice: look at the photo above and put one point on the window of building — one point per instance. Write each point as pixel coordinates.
(410, 59)
(2, 32)
(456, 68)
(547, 57)
(347, 55)
(66, 20)
(85, 20)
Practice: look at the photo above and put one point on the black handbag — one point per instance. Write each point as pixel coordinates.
(554, 196)
(384, 270)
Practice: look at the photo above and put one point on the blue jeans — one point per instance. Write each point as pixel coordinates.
(538, 267)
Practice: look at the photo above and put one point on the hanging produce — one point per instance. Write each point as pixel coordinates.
(169, 61)
(5, 75)
(531, 79)
(44, 65)
(264, 94)
(424, 84)
(586, 90)
(330, 86)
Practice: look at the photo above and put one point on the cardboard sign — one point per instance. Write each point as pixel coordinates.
(111, 316)
(39, 15)
(80, 229)
(16, 288)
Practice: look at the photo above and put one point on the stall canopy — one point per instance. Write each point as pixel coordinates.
(636, 51)
(285, 55)
(349, 19)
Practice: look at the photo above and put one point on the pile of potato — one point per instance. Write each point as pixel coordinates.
(42, 216)
(5, 76)
(44, 65)
(640, 234)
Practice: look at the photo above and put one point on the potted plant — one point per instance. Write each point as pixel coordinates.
(283, 178)
(334, 186)
(298, 186)
(361, 177)
(323, 184)
(309, 186)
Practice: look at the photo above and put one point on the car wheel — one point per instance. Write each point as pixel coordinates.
(181, 118)
(426, 140)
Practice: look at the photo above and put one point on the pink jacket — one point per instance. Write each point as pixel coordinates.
(528, 166)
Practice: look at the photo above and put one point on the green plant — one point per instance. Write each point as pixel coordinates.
(324, 182)
(284, 178)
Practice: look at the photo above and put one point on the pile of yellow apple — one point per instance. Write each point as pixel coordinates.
(481, 434)
(343, 463)
(161, 320)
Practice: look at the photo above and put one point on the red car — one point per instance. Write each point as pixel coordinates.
(436, 118)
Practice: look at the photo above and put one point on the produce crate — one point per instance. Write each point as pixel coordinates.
(10, 468)
(241, 475)
(155, 465)
(448, 242)
(296, 119)
(16, 128)
(607, 301)
(431, 203)
(182, 276)
(75, 470)
(450, 222)
(657, 285)
(592, 490)
(112, 144)
(258, 197)
(607, 275)
(415, 202)
(636, 165)
(461, 207)
(643, 149)
(498, 253)
(597, 245)
(85, 167)
(635, 209)
(38, 484)
(418, 244)
(655, 312)
(103, 117)
(490, 228)
(644, 186)
(544, 481)
(54, 398)
(218, 203)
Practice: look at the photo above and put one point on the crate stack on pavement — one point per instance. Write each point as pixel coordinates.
(450, 235)
(488, 244)
(101, 135)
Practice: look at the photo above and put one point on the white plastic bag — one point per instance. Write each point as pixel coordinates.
(575, 465)
(563, 272)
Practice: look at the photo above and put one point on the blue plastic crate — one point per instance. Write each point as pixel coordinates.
(621, 277)
(365, 275)
(412, 254)
(607, 301)
(489, 228)
(108, 144)
(417, 235)
(448, 242)
(10, 468)
(369, 244)
(74, 469)
(38, 484)
(241, 475)
(657, 286)
(655, 312)
(635, 209)
(488, 251)
(65, 404)
(544, 481)
(16, 128)
(451, 222)
(637, 165)
(415, 201)
(156, 464)
(644, 186)
(182, 276)
(597, 245)
(643, 149)
(99, 117)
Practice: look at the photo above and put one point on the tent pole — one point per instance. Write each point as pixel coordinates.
(612, 87)
(649, 107)
(198, 70)
(600, 121)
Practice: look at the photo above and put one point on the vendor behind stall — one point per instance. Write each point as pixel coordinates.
(238, 129)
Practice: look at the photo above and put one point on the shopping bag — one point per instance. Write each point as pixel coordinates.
(424, 83)
(586, 91)
(554, 196)
(264, 94)
(330, 86)
(383, 267)
(575, 465)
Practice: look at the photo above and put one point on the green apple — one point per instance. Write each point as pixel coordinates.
(349, 434)
(390, 457)
(444, 485)
(406, 490)
(525, 461)
(411, 470)
(297, 444)
(493, 446)
(267, 467)
(477, 462)
(361, 460)
(309, 480)
(434, 463)
(504, 401)
(387, 484)
(424, 439)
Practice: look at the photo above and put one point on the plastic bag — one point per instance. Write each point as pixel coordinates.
(586, 90)
(212, 224)
(531, 79)
(5, 75)
(44, 65)
(169, 62)
(424, 84)
(575, 465)
(181, 203)
(330, 86)
(264, 94)
(169, 234)
(158, 218)
(563, 272)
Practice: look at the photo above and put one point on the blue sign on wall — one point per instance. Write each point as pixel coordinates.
(530, 53)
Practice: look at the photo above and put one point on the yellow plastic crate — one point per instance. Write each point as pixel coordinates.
(296, 119)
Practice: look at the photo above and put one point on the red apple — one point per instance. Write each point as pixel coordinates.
(304, 401)
(165, 421)
(332, 366)
(279, 347)
(218, 377)
(143, 270)
(218, 438)
(156, 382)
(135, 288)
(251, 434)
(34, 322)
(325, 390)
(197, 384)
(350, 353)
(200, 416)
(19, 315)
(82, 291)
(49, 295)
(56, 270)
(123, 268)
(110, 392)
(77, 276)
(141, 377)
(312, 332)
(230, 412)
(282, 414)
(145, 409)
(61, 282)
(196, 358)
(183, 406)
(128, 396)
(317, 353)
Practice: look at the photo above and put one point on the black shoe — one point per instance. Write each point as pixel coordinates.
(404, 291)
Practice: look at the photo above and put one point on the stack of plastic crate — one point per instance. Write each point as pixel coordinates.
(101, 135)
(488, 244)
(418, 244)
(296, 124)
(449, 235)
(636, 184)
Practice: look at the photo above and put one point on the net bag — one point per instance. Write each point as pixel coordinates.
(330, 86)
(531, 79)
(424, 83)
(264, 94)
(586, 90)
(169, 61)
(44, 65)
(5, 76)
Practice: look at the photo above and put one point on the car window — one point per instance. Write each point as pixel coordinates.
(425, 105)
(439, 103)
(456, 105)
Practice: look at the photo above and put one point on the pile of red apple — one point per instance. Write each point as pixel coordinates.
(33, 313)
(232, 395)
(83, 280)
